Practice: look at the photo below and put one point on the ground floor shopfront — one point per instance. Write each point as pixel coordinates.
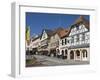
(81, 54)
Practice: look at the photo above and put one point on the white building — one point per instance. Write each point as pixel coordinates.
(75, 45)
(35, 44)
(45, 39)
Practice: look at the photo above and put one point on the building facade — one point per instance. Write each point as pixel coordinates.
(53, 45)
(54, 42)
(44, 41)
(35, 44)
(75, 45)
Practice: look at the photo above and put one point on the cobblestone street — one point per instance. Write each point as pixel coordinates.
(53, 61)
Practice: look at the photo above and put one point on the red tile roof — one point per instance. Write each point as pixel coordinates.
(81, 19)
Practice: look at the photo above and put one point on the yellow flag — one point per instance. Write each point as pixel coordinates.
(28, 34)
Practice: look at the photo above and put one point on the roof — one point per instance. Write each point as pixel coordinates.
(48, 31)
(80, 20)
(35, 38)
(60, 31)
(64, 33)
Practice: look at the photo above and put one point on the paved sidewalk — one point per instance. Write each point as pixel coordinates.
(53, 61)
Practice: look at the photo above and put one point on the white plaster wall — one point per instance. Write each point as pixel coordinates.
(44, 36)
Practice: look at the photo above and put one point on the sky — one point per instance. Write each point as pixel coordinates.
(39, 21)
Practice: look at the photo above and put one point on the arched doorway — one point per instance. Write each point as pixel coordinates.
(77, 55)
(53, 52)
(84, 52)
(66, 53)
(58, 53)
(63, 56)
(71, 54)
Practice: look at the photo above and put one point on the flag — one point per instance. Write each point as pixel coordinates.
(28, 34)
